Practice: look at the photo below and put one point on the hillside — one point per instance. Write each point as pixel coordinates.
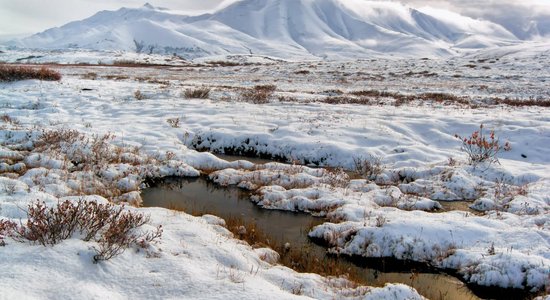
(292, 29)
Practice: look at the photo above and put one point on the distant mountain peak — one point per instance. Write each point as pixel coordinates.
(148, 6)
(289, 29)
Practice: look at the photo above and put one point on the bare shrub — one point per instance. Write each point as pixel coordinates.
(90, 76)
(491, 250)
(7, 228)
(504, 193)
(335, 177)
(54, 138)
(139, 95)
(8, 119)
(120, 235)
(112, 227)
(368, 168)
(259, 94)
(200, 93)
(15, 73)
(93, 151)
(48, 226)
(174, 122)
(380, 221)
(480, 148)
(10, 187)
(452, 162)
(92, 155)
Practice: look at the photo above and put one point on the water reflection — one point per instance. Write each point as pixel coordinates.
(199, 196)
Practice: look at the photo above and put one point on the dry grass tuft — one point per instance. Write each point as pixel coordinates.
(369, 168)
(10, 73)
(139, 95)
(301, 260)
(199, 93)
(523, 102)
(174, 122)
(259, 94)
(10, 120)
(130, 63)
(222, 63)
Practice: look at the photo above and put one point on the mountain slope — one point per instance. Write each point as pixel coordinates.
(283, 28)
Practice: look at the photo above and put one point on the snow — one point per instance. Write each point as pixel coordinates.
(396, 212)
(290, 29)
(193, 257)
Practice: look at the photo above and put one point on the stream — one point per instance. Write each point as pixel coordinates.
(200, 196)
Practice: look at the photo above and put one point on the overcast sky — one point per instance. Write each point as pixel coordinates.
(31, 16)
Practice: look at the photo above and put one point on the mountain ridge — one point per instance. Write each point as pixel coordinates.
(290, 29)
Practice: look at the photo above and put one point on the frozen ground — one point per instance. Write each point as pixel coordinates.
(394, 212)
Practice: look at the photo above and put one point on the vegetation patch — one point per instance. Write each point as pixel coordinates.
(199, 93)
(481, 148)
(112, 227)
(259, 94)
(9, 73)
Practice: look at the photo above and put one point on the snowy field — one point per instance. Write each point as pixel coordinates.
(390, 124)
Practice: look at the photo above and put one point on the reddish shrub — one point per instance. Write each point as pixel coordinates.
(7, 228)
(112, 227)
(15, 73)
(480, 148)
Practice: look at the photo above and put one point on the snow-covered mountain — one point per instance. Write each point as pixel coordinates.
(282, 28)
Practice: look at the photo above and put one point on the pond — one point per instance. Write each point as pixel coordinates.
(199, 196)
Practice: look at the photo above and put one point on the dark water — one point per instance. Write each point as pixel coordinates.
(199, 196)
(459, 205)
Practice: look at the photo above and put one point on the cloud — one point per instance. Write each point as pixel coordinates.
(525, 19)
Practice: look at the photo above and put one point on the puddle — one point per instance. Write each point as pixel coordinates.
(199, 196)
(255, 160)
(459, 205)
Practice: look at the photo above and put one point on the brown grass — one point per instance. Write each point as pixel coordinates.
(375, 93)
(8, 119)
(443, 97)
(523, 102)
(116, 77)
(346, 100)
(259, 94)
(199, 93)
(249, 232)
(221, 63)
(90, 76)
(10, 73)
(130, 63)
(139, 95)
(300, 260)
